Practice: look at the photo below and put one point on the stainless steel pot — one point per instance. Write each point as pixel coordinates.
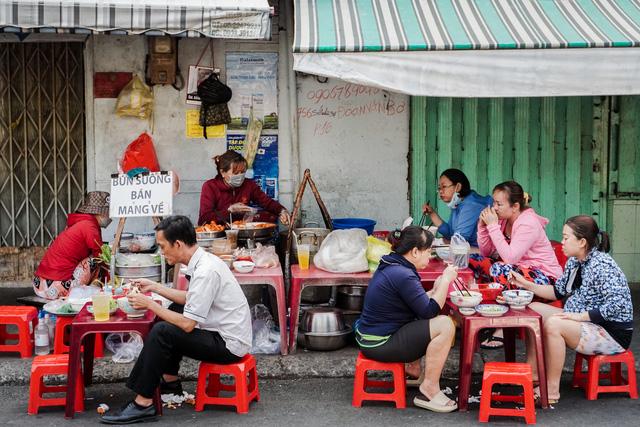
(309, 236)
(322, 320)
(351, 297)
(327, 341)
(250, 232)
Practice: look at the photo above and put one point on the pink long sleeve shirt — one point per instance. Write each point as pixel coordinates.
(529, 246)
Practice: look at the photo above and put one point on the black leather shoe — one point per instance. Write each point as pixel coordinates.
(173, 387)
(131, 414)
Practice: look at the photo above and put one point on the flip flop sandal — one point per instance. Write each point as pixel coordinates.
(536, 398)
(439, 403)
(493, 347)
(415, 382)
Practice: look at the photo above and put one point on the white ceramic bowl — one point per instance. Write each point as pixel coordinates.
(243, 266)
(491, 310)
(462, 299)
(517, 299)
(123, 304)
(228, 259)
(78, 303)
(467, 311)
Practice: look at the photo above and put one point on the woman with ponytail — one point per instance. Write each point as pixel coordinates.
(400, 322)
(598, 312)
(511, 237)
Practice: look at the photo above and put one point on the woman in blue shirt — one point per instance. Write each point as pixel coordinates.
(465, 204)
(598, 312)
(400, 322)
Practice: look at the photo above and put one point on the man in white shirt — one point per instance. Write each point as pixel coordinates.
(209, 322)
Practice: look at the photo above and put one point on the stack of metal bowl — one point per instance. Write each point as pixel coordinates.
(323, 329)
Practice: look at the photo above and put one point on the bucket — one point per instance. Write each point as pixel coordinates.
(346, 223)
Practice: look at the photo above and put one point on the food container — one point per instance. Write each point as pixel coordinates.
(123, 304)
(138, 266)
(466, 311)
(322, 320)
(243, 266)
(490, 291)
(517, 299)
(206, 235)
(347, 223)
(464, 299)
(491, 310)
(308, 236)
(228, 259)
(254, 230)
(350, 297)
(329, 341)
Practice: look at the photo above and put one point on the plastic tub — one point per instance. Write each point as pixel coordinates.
(345, 223)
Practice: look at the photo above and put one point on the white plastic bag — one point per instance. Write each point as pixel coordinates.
(266, 340)
(343, 251)
(265, 256)
(459, 251)
(125, 346)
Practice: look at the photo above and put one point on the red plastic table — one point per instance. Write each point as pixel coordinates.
(316, 277)
(82, 326)
(510, 321)
(273, 277)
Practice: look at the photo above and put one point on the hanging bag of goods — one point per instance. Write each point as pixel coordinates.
(214, 96)
(135, 100)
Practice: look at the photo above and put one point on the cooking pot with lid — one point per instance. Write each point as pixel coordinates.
(308, 236)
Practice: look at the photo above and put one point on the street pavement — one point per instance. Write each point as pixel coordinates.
(323, 402)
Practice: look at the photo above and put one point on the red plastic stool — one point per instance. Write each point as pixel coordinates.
(507, 373)
(210, 386)
(22, 317)
(62, 326)
(51, 364)
(590, 380)
(361, 382)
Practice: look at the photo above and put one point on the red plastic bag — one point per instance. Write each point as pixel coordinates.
(140, 154)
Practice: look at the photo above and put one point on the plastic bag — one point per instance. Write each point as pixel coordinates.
(376, 249)
(266, 340)
(140, 154)
(343, 251)
(265, 256)
(459, 251)
(125, 346)
(135, 100)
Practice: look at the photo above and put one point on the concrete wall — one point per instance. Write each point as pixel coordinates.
(357, 155)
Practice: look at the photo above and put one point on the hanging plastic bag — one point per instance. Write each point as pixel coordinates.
(266, 340)
(140, 154)
(376, 249)
(135, 100)
(125, 346)
(343, 251)
(459, 249)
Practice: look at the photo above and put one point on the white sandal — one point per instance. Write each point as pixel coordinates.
(439, 403)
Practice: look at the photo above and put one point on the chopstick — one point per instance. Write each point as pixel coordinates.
(459, 281)
(423, 220)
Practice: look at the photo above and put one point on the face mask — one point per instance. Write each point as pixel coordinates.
(236, 180)
(455, 201)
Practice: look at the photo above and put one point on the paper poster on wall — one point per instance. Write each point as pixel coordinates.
(197, 74)
(194, 130)
(253, 78)
(265, 166)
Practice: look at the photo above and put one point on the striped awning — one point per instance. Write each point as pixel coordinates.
(425, 25)
(231, 19)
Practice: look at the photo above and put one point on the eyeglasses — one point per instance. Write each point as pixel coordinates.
(442, 187)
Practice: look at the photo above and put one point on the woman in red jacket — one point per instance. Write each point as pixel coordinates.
(68, 262)
(229, 188)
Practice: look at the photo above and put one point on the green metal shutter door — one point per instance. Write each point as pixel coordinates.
(543, 143)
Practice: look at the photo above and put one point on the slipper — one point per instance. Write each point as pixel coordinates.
(499, 340)
(415, 382)
(536, 397)
(437, 404)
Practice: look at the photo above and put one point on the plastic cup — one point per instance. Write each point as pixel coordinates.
(232, 238)
(303, 256)
(101, 304)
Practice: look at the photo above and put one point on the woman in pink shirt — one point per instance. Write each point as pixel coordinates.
(511, 237)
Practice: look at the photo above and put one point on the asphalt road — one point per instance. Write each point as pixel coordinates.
(322, 402)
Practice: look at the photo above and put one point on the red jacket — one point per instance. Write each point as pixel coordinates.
(217, 196)
(82, 238)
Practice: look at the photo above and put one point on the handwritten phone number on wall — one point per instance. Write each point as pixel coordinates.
(387, 108)
(339, 92)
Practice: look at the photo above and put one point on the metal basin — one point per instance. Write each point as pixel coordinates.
(351, 297)
(327, 341)
(322, 320)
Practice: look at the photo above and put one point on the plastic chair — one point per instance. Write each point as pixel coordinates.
(557, 249)
(51, 364)
(26, 319)
(63, 325)
(210, 386)
(507, 373)
(590, 380)
(361, 383)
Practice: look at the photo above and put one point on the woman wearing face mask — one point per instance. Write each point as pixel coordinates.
(69, 261)
(465, 204)
(511, 237)
(229, 188)
(598, 311)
